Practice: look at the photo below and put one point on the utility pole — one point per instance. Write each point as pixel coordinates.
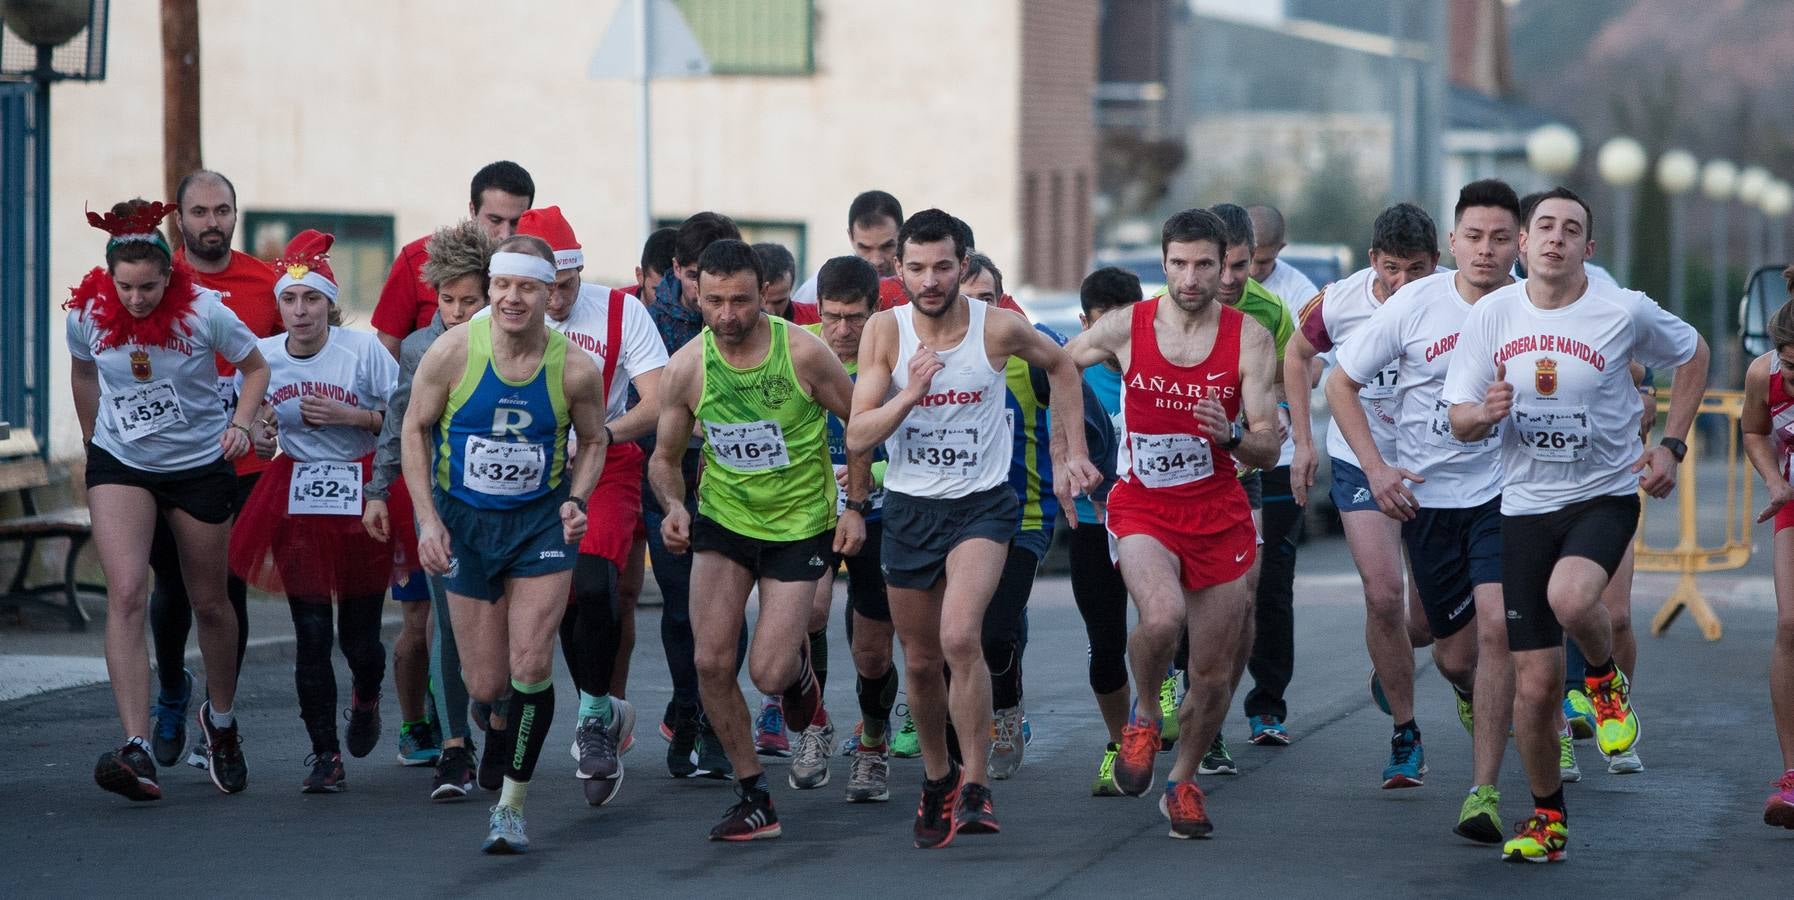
(180, 92)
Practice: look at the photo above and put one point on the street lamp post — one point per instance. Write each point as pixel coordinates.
(1677, 171)
(1752, 182)
(1719, 179)
(1621, 163)
(1552, 150)
(1777, 200)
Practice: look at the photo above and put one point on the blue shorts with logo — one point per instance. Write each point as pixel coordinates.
(1451, 551)
(1350, 490)
(487, 546)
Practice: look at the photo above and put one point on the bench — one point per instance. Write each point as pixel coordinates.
(22, 471)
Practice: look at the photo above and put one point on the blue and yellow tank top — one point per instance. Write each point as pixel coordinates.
(1031, 464)
(501, 444)
(837, 447)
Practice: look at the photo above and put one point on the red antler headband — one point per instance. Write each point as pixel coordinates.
(140, 225)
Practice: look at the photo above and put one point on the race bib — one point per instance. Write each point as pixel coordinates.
(945, 450)
(748, 446)
(1168, 460)
(226, 386)
(1553, 434)
(325, 489)
(145, 410)
(876, 497)
(500, 468)
(1382, 387)
(1439, 432)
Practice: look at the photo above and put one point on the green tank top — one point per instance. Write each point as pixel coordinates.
(767, 473)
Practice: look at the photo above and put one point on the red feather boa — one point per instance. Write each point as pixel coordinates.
(96, 296)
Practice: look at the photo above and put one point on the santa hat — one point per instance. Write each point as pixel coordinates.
(307, 261)
(548, 224)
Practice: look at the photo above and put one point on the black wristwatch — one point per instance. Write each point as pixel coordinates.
(1676, 447)
(860, 506)
(1234, 438)
(579, 502)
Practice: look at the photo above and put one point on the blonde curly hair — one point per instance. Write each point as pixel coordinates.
(455, 252)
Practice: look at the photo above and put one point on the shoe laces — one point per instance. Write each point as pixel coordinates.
(772, 719)
(1608, 697)
(1185, 802)
(1566, 752)
(1786, 782)
(1401, 748)
(225, 741)
(975, 798)
(933, 808)
(867, 765)
(1218, 749)
(1005, 731)
(507, 818)
(1538, 826)
(812, 747)
(1138, 741)
(1168, 693)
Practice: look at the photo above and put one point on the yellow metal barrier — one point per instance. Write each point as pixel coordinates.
(1688, 557)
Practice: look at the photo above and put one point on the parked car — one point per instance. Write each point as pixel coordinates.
(1764, 293)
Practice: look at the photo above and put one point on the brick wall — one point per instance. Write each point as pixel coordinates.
(1057, 160)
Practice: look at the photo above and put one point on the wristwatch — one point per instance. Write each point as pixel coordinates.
(1676, 447)
(1233, 438)
(860, 506)
(579, 502)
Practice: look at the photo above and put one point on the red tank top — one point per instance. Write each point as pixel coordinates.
(1167, 457)
(1781, 415)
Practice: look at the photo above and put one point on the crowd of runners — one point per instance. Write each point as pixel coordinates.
(512, 442)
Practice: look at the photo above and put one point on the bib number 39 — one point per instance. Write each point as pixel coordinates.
(946, 450)
(325, 489)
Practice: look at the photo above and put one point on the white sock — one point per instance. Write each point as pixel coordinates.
(220, 719)
(513, 793)
(139, 741)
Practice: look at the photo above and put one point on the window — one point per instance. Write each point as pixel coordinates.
(791, 234)
(360, 257)
(754, 37)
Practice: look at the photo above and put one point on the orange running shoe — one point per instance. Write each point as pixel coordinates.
(1183, 805)
(1133, 763)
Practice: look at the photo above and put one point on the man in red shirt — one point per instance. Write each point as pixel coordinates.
(207, 218)
(501, 193)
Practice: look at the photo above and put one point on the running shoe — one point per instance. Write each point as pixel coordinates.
(680, 728)
(622, 715)
(1134, 759)
(1217, 761)
(1580, 713)
(1027, 731)
(1104, 785)
(454, 774)
(750, 819)
(364, 725)
(597, 744)
(1268, 731)
(712, 761)
(1625, 763)
(1779, 810)
(499, 747)
(869, 776)
(935, 822)
(168, 733)
(1542, 838)
(769, 730)
(1567, 769)
(129, 772)
(1407, 761)
(1184, 805)
(905, 744)
(1466, 711)
(504, 832)
(975, 812)
(1480, 818)
(1168, 704)
(417, 744)
(1616, 725)
(198, 758)
(809, 766)
(1006, 744)
(606, 765)
(1376, 693)
(224, 751)
(327, 776)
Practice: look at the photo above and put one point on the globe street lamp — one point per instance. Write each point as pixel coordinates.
(1621, 163)
(1751, 184)
(1777, 200)
(1719, 180)
(1552, 150)
(1677, 171)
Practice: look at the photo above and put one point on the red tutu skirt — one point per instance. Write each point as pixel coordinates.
(313, 557)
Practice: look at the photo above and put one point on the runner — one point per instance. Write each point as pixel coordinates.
(930, 390)
(1768, 425)
(1450, 515)
(619, 337)
(759, 387)
(1178, 514)
(1270, 235)
(499, 511)
(1404, 247)
(781, 274)
(207, 218)
(1572, 468)
(872, 222)
(142, 338)
(456, 268)
(499, 194)
(301, 532)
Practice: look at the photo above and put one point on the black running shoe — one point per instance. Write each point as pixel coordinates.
(364, 726)
(169, 735)
(935, 821)
(680, 727)
(749, 820)
(454, 774)
(224, 749)
(712, 761)
(128, 772)
(326, 774)
(499, 747)
(975, 813)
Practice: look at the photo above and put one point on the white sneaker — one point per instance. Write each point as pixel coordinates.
(1006, 744)
(809, 764)
(1625, 763)
(1566, 759)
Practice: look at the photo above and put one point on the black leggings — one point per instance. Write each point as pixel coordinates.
(1005, 627)
(1101, 596)
(357, 630)
(170, 613)
(592, 629)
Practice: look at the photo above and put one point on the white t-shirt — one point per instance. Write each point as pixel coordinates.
(1346, 305)
(1294, 289)
(352, 368)
(1418, 329)
(159, 407)
(1573, 434)
(588, 326)
(957, 441)
(806, 292)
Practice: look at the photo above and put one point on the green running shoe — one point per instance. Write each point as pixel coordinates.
(1581, 714)
(905, 744)
(1104, 785)
(1217, 761)
(1480, 818)
(1168, 703)
(1616, 724)
(1466, 711)
(1566, 759)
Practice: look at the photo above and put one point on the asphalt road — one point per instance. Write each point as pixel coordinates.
(1307, 820)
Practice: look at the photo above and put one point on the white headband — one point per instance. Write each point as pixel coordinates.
(524, 265)
(312, 279)
(569, 259)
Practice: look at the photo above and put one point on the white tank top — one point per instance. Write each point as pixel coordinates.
(956, 441)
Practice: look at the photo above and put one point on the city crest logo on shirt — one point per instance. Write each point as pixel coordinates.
(775, 390)
(140, 365)
(1544, 378)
